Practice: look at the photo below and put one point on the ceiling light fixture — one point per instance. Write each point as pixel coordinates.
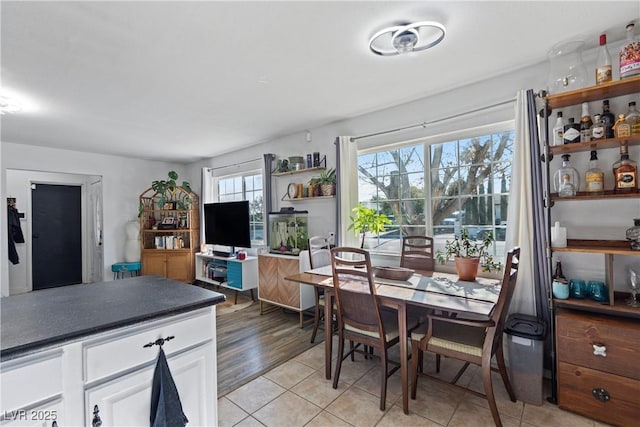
(9, 106)
(407, 38)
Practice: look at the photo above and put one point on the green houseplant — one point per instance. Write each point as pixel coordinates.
(166, 189)
(367, 220)
(469, 254)
(327, 181)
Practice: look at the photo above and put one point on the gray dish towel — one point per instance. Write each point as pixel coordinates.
(166, 408)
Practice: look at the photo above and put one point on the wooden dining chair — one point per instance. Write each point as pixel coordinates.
(360, 317)
(319, 256)
(417, 253)
(472, 341)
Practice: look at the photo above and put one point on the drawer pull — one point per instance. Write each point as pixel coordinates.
(599, 350)
(159, 342)
(96, 422)
(600, 394)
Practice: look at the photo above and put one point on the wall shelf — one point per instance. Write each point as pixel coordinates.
(593, 145)
(594, 93)
(318, 168)
(608, 194)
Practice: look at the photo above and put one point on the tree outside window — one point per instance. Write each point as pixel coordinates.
(464, 183)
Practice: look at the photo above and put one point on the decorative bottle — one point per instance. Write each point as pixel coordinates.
(598, 128)
(625, 173)
(558, 130)
(633, 118)
(594, 177)
(621, 128)
(571, 132)
(566, 179)
(608, 118)
(603, 62)
(557, 275)
(630, 55)
(585, 124)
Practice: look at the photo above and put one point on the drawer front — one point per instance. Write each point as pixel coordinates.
(575, 393)
(121, 351)
(234, 275)
(31, 379)
(617, 340)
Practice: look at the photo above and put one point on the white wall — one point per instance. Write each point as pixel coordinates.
(123, 180)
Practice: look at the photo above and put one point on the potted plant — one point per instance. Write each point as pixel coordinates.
(167, 188)
(327, 181)
(366, 220)
(469, 254)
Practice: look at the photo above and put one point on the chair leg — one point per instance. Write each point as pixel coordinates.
(339, 360)
(503, 372)
(437, 363)
(353, 357)
(488, 390)
(416, 356)
(316, 323)
(383, 375)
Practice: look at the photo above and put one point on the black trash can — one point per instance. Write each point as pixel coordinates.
(525, 344)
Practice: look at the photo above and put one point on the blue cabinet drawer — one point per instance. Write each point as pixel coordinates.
(234, 275)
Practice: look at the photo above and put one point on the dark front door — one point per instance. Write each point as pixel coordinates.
(56, 235)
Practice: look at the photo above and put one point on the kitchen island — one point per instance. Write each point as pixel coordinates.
(77, 353)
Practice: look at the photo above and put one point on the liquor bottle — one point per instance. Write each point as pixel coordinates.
(630, 55)
(597, 129)
(566, 179)
(571, 132)
(557, 275)
(608, 118)
(585, 124)
(558, 130)
(604, 72)
(633, 118)
(594, 177)
(621, 127)
(625, 173)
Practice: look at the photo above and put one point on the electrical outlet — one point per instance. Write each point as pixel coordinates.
(332, 238)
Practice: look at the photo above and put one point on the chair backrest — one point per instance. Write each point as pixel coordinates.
(507, 289)
(354, 289)
(417, 253)
(319, 253)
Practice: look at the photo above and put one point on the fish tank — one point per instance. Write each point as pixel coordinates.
(288, 231)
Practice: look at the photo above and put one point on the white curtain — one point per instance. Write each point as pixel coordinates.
(347, 155)
(520, 230)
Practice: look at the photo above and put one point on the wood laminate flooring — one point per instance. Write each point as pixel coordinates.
(250, 344)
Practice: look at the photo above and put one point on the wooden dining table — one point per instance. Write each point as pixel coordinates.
(430, 290)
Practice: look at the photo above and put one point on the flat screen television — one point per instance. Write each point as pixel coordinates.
(227, 224)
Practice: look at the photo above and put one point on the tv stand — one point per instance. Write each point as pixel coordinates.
(228, 272)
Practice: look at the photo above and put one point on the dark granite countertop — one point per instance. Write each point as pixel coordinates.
(46, 317)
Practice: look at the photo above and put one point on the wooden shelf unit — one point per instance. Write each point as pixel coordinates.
(594, 93)
(601, 144)
(608, 194)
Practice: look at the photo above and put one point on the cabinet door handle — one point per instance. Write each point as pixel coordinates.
(600, 394)
(600, 350)
(96, 422)
(159, 342)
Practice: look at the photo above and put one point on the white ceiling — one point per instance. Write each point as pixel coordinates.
(183, 81)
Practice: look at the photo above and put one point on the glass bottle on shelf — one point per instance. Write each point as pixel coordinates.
(625, 173)
(630, 55)
(557, 275)
(604, 72)
(571, 132)
(621, 128)
(558, 130)
(585, 124)
(633, 117)
(566, 179)
(594, 177)
(608, 118)
(597, 129)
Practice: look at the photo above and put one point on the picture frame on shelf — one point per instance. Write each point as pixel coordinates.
(168, 220)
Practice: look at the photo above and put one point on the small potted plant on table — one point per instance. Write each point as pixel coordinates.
(469, 255)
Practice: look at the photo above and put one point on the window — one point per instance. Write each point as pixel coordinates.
(439, 188)
(246, 187)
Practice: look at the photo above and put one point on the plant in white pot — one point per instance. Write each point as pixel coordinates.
(468, 255)
(367, 220)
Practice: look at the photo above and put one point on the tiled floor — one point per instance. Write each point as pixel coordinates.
(297, 394)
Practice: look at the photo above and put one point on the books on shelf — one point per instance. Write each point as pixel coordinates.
(169, 242)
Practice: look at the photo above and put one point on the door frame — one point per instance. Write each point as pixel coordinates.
(19, 183)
